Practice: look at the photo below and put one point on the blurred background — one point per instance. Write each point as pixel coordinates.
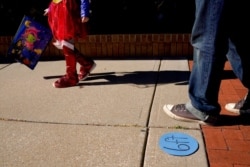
(110, 16)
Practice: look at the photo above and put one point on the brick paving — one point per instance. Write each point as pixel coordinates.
(228, 144)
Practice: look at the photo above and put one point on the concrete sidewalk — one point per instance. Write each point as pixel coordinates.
(113, 119)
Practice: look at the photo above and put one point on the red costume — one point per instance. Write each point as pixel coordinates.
(65, 20)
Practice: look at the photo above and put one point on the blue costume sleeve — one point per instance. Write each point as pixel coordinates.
(84, 8)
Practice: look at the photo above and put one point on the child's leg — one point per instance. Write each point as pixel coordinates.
(86, 65)
(70, 78)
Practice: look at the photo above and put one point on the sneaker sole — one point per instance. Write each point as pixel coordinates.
(92, 68)
(176, 117)
(53, 84)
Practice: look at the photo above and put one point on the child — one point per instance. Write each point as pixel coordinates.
(66, 19)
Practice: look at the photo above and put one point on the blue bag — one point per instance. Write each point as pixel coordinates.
(29, 42)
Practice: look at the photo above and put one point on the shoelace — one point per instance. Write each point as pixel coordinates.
(180, 107)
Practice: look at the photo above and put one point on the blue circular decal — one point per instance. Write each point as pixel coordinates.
(178, 144)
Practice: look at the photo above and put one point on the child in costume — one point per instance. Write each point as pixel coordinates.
(66, 19)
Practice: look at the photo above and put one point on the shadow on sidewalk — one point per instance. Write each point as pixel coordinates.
(230, 120)
(137, 77)
(228, 74)
(140, 77)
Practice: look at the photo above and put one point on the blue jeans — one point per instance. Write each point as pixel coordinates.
(215, 39)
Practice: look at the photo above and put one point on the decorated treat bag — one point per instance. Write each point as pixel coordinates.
(29, 42)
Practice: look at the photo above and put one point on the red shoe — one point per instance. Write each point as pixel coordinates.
(86, 70)
(87, 65)
(66, 81)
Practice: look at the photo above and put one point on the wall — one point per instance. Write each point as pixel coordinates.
(121, 45)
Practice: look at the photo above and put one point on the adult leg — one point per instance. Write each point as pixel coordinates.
(238, 52)
(210, 47)
(241, 67)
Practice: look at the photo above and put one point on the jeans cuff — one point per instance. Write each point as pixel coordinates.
(197, 113)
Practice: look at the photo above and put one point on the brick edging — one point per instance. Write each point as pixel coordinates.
(122, 45)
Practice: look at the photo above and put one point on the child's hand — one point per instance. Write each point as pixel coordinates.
(46, 11)
(85, 19)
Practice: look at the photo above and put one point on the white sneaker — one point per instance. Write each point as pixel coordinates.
(233, 107)
(238, 108)
(180, 113)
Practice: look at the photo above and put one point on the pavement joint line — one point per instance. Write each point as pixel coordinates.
(64, 123)
(145, 128)
(148, 118)
(5, 66)
(175, 127)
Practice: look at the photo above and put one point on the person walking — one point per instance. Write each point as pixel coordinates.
(220, 32)
(67, 20)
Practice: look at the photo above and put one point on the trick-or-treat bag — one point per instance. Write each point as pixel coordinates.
(29, 42)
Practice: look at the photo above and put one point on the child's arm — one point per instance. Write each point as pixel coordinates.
(84, 10)
(46, 11)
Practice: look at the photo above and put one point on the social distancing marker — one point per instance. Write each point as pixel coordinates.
(178, 144)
